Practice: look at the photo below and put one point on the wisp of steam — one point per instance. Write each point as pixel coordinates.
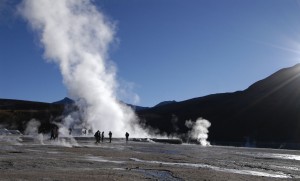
(199, 130)
(76, 36)
(32, 130)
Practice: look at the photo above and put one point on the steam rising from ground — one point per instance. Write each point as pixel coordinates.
(199, 130)
(76, 36)
(32, 130)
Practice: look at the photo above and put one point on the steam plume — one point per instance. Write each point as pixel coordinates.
(199, 130)
(76, 36)
(32, 128)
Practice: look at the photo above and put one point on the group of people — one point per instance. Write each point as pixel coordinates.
(100, 136)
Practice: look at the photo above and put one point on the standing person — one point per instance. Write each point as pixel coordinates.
(110, 135)
(55, 132)
(127, 135)
(97, 134)
(52, 134)
(102, 136)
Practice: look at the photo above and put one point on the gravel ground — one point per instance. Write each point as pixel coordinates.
(26, 159)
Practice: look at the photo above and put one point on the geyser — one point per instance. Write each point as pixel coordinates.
(199, 130)
(76, 36)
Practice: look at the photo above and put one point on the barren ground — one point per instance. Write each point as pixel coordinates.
(27, 159)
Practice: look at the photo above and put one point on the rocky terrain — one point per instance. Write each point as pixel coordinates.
(26, 158)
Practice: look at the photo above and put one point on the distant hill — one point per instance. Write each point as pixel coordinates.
(136, 108)
(14, 114)
(267, 111)
(65, 101)
(11, 104)
(164, 103)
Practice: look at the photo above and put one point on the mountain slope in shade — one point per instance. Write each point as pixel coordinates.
(15, 114)
(164, 103)
(267, 111)
(65, 101)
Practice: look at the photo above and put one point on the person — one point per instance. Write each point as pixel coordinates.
(56, 133)
(97, 136)
(102, 136)
(127, 135)
(110, 135)
(52, 134)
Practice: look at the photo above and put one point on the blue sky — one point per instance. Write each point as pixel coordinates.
(165, 49)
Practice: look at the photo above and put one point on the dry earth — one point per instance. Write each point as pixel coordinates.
(26, 159)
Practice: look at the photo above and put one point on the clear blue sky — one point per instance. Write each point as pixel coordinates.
(167, 49)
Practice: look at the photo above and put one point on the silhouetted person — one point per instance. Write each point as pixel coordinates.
(102, 136)
(56, 133)
(70, 131)
(97, 136)
(110, 135)
(127, 135)
(52, 134)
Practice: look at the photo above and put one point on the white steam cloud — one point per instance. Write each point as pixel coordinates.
(199, 130)
(32, 129)
(76, 36)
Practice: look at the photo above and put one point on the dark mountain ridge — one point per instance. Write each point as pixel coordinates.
(11, 104)
(65, 101)
(267, 111)
(15, 114)
(164, 103)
